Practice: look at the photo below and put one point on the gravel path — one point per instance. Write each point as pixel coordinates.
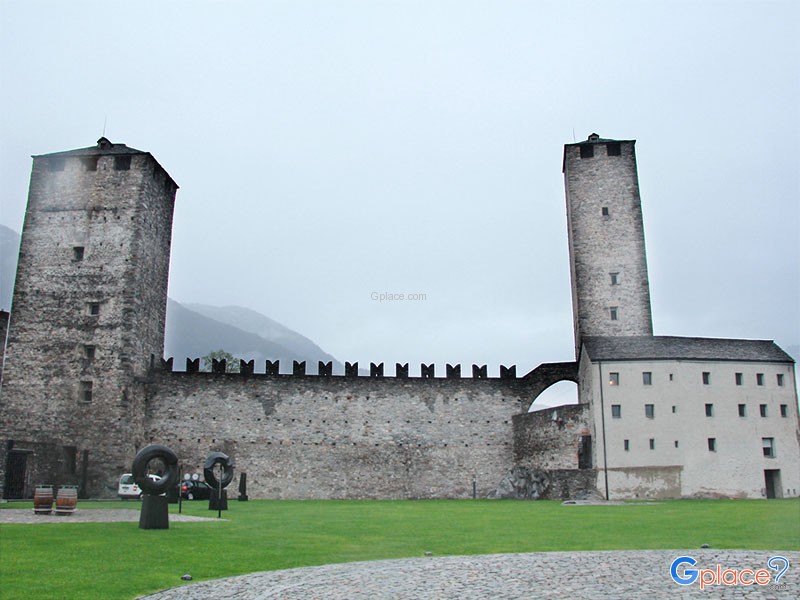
(575, 575)
(105, 515)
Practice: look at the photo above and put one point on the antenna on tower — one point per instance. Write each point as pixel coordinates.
(105, 119)
(573, 134)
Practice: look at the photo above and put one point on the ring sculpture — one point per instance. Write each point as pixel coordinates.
(154, 513)
(219, 497)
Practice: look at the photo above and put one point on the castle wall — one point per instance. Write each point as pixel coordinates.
(343, 437)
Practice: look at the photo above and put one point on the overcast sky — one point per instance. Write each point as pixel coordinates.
(327, 151)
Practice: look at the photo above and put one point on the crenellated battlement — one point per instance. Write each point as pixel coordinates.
(272, 368)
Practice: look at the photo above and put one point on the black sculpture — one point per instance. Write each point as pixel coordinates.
(219, 497)
(155, 513)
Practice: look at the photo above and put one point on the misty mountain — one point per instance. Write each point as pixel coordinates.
(9, 251)
(194, 330)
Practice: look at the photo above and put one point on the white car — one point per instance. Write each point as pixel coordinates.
(129, 489)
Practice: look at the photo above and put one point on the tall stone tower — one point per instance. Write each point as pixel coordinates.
(610, 288)
(87, 318)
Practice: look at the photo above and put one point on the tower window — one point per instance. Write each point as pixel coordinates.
(89, 352)
(626, 444)
(614, 312)
(614, 278)
(122, 163)
(604, 211)
(742, 410)
(768, 444)
(56, 163)
(784, 410)
(676, 443)
(738, 377)
(652, 443)
(706, 378)
(712, 444)
(647, 378)
(650, 411)
(759, 379)
(709, 410)
(90, 162)
(77, 253)
(86, 391)
(780, 379)
(94, 308)
(587, 150)
(613, 379)
(613, 149)
(762, 408)
(616, 411)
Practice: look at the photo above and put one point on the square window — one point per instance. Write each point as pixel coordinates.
(616, 411)
(587, 150)
(122, 163)
(77, 253)
(762, 408)
(94, 308)
(614, 278)
(780, 379)
(738, 377)
(742, 410)
(759, 379)
(784, 410)
(647, 378)
(604, 211)
(626, 444)
(712, 444)
(768, 445)
(614, 313)
(613, 379)
(650, 411)
(706, 378)
(652, 443)
(709, 410)
(613, 149)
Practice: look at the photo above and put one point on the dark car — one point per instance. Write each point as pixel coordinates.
(195, 490)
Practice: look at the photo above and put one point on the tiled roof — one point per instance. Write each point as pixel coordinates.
(683, 348)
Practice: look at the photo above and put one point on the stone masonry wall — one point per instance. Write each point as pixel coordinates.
(343, 437)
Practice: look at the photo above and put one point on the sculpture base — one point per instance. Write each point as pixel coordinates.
(214, 502)
(155, 513)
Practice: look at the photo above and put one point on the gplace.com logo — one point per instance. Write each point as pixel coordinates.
(720, 576)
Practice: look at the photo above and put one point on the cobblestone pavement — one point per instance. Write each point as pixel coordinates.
(575, 575)
(106, 515)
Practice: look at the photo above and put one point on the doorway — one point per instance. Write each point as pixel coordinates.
(16, 471)
(772, 481)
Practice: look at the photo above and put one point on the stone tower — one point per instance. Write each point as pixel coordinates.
(87, 318)
(610, 288)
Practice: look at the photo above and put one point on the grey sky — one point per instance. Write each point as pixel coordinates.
(328, 150)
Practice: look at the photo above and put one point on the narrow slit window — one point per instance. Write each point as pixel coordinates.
(86, 391)
(614, 312)
(709, 410)
(652, 443)
(712, 444)
(627, 445)
(739, 378)
(759, 379)
(706, 378)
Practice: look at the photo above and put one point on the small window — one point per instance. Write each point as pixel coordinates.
(88, 352)
(604, 211)
(613, 379)
(706, 378)
(650, 411)
(768, 444)
(77, 253)
(742, 410)
(587, 150)
(122, 163)
(613, 149)
(647, 378)
(90, 162)
(712, 444)
(614, 278)
(670, 376)
(56, 163)
(614, 313)
(674, 409)
(86, 391)
(676, 443)
(784, 410)
(652, 443)
(739, 378)
(94, 308)
(780, 379)
(762, 408)
(626, 444)
(616, 411)
(759, 379)
(709, 410)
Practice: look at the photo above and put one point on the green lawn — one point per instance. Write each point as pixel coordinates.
(118, 560)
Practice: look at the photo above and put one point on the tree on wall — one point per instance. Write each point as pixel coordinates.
(231, 362)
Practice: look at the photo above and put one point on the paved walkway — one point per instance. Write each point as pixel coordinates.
(91, 515)
(575, 575)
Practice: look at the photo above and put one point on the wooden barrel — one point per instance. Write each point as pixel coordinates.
(43, 499)
(67, 499)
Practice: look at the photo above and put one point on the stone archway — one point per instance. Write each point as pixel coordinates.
(548, 374)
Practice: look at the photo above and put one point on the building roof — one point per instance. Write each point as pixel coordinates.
(644, 347)
(596, 139)
(103, 146)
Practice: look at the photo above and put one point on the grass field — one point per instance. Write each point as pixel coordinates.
(118, 560)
